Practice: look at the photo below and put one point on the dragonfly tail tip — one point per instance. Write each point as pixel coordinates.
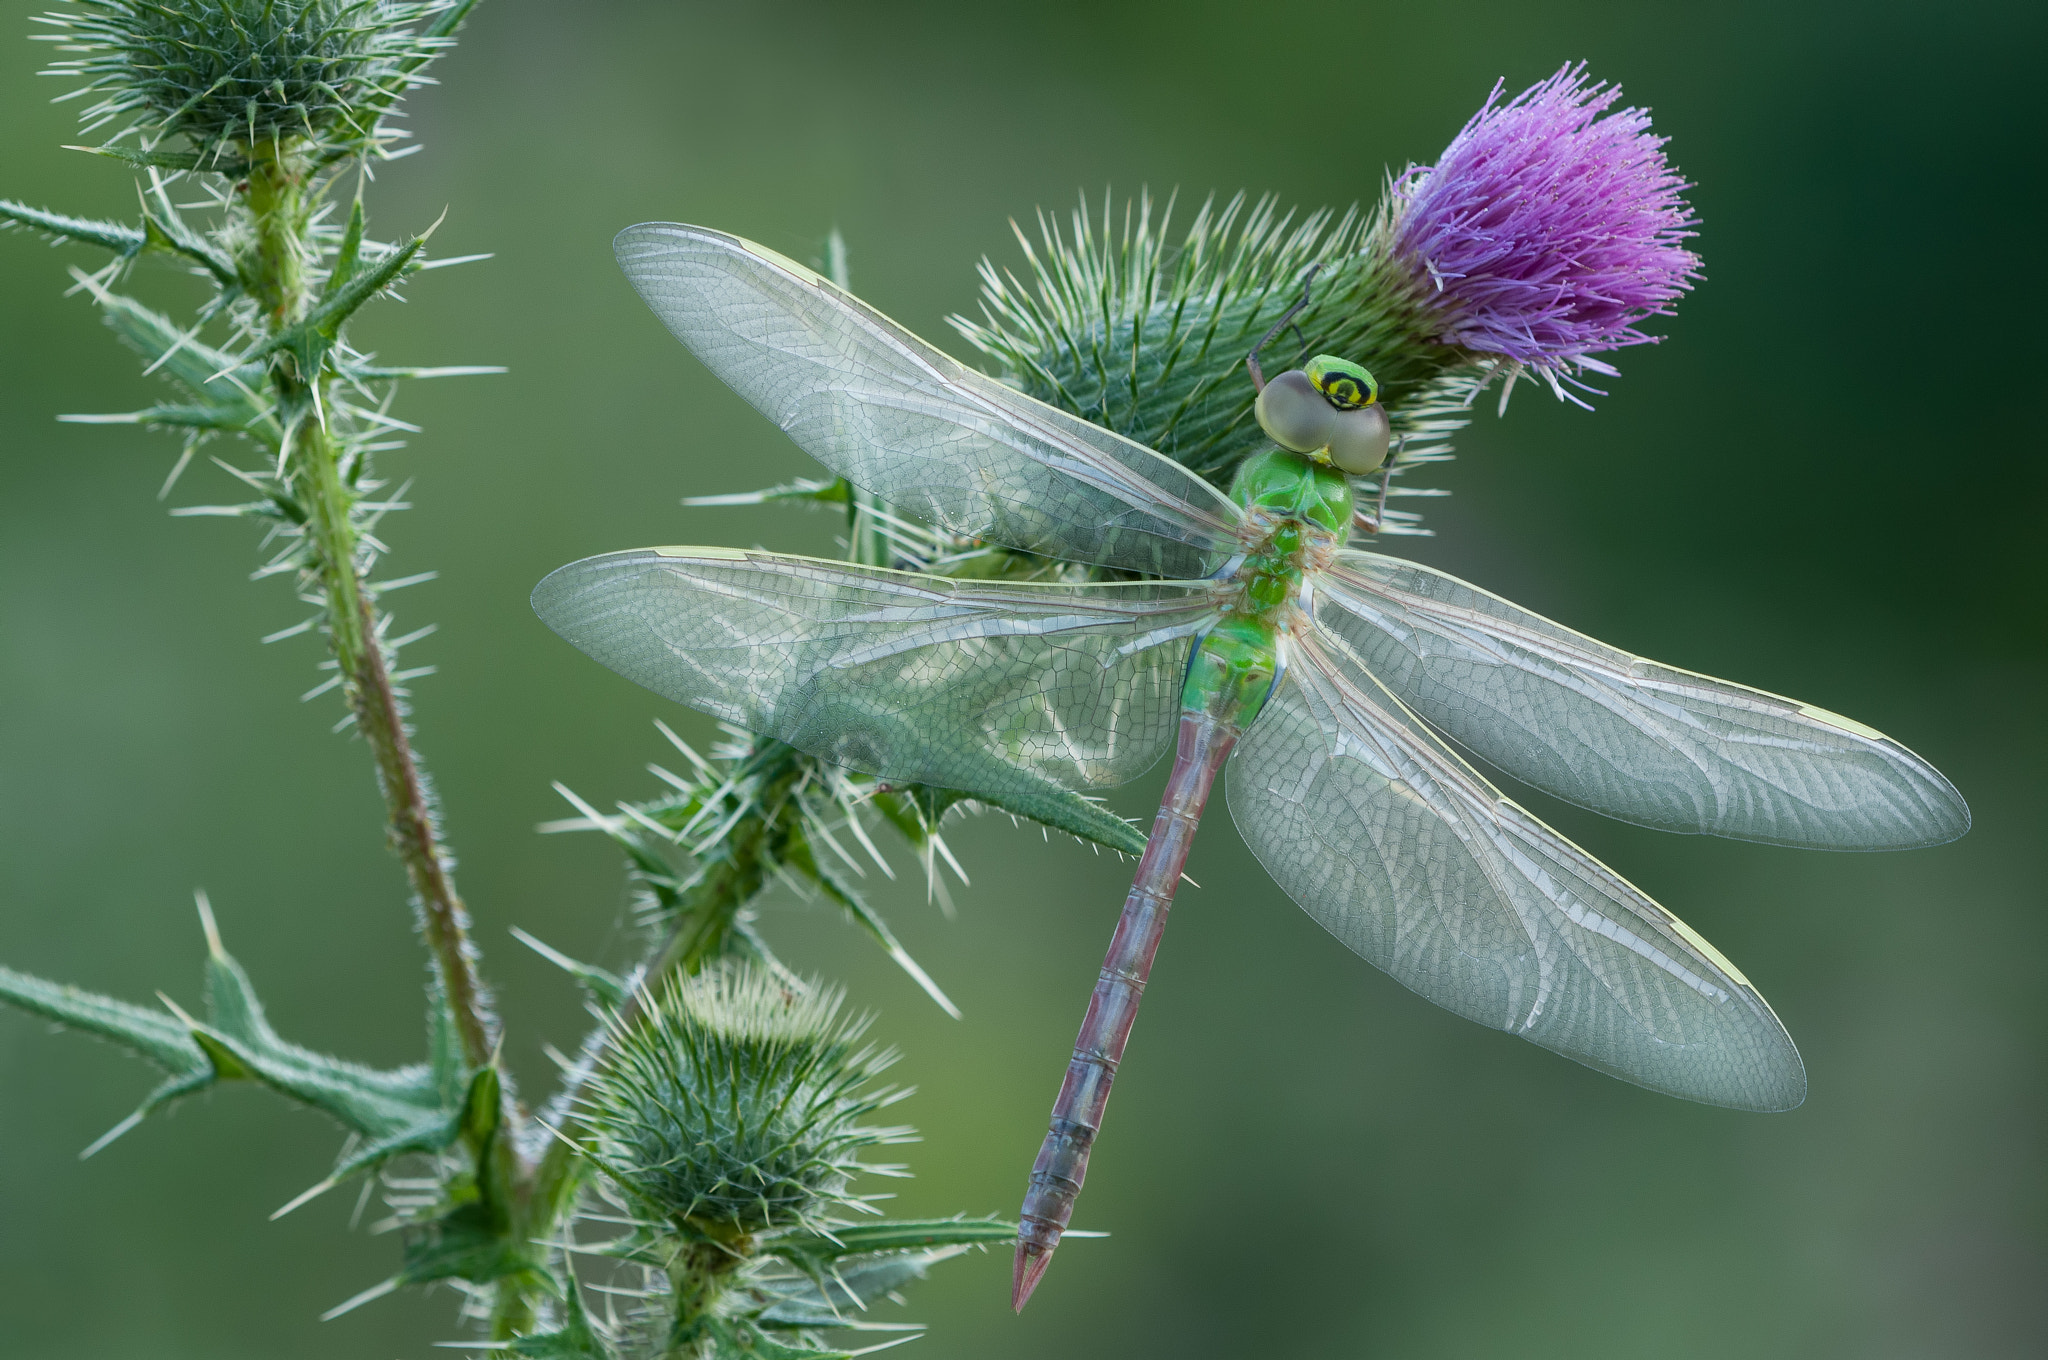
(1032, 1260)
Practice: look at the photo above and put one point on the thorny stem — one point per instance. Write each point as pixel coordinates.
(280, 208)
(280, 203)
(699, 931)
(513, 1315)
(698, 1277)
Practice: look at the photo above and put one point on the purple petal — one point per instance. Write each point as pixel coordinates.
(1547, 232)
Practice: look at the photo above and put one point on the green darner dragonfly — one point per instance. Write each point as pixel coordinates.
(1335, 675)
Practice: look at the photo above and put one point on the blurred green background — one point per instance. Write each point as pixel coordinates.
(1829, 483)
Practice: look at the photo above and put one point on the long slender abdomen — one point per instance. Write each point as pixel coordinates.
(1063, 1159)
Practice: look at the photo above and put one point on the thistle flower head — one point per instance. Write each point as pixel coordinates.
(733, 1104)
(242, 72)
(1547, 232)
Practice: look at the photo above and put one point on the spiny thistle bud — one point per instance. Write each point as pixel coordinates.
(1545, 232)
(732, 1104)
(1125, 326)
(240, 73)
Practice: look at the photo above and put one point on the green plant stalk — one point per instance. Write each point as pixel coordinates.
(700, 1275)
(275, 271)
(280, 209)
(700, 933)
(704, 925)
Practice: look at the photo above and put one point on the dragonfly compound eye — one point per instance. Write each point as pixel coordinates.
(1347, 385)
(1296, 416)
(1358, 444)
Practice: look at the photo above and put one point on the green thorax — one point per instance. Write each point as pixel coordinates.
(1299, 509)
(1290, 485)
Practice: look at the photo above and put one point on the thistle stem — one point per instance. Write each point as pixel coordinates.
(700, 930)
(698, 1278)
(279, 206)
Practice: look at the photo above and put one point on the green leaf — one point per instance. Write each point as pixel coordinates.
(402, 1110)
(165, 232)
(483, 1109)
(818, 490)
(609, 989)
(225, 419)
(147, 1033)
(424, 1136)
(850, 1266)
(446, 1062)
(312, 337)
(227, 384)
(813, 1250)
(815, 1305)
(733, 1339)
(799, 855)
(350, 251)
(122, 239)
(472, 1235)
(916, 810)
(1065, 810)
(387, 373)
(171, 1090)
(382, 1106)
(163, 160)
(475, 1235)
(169, 232)
(470, 1240)
(575, 1339)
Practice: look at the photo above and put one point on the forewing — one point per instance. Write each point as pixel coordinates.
(1630, 738)
(995, 688)
(911, 425)
(1404, 853)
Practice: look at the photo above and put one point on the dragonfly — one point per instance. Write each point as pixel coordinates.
(1339, 683)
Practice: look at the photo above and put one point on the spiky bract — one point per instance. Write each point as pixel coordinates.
(734, 1104)
(237, 73)
(1127, 327)
(1547, 232)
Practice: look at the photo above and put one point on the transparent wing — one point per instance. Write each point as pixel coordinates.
(1404, 853)
(996, 688)
(925, 433)
(1630, 738)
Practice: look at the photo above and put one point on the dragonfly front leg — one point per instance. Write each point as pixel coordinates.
(1379, 509)
(1076, 1116)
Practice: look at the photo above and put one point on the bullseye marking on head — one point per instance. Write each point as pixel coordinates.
(1346, 385)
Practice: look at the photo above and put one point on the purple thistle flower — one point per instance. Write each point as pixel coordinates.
(1545, 232)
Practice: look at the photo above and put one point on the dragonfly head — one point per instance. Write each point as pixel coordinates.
(1329, 411)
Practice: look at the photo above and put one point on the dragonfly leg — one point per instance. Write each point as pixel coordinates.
(1062, 1163)
(1379, 509)
(1251, 361)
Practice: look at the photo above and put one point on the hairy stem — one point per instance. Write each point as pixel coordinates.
(279, 202)
(699, 1276)
(700, 930)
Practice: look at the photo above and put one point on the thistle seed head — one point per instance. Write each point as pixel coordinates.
(733, 1104)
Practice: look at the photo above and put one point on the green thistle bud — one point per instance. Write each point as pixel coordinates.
(233, 74)
(733, 1104)
(1127, 323)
